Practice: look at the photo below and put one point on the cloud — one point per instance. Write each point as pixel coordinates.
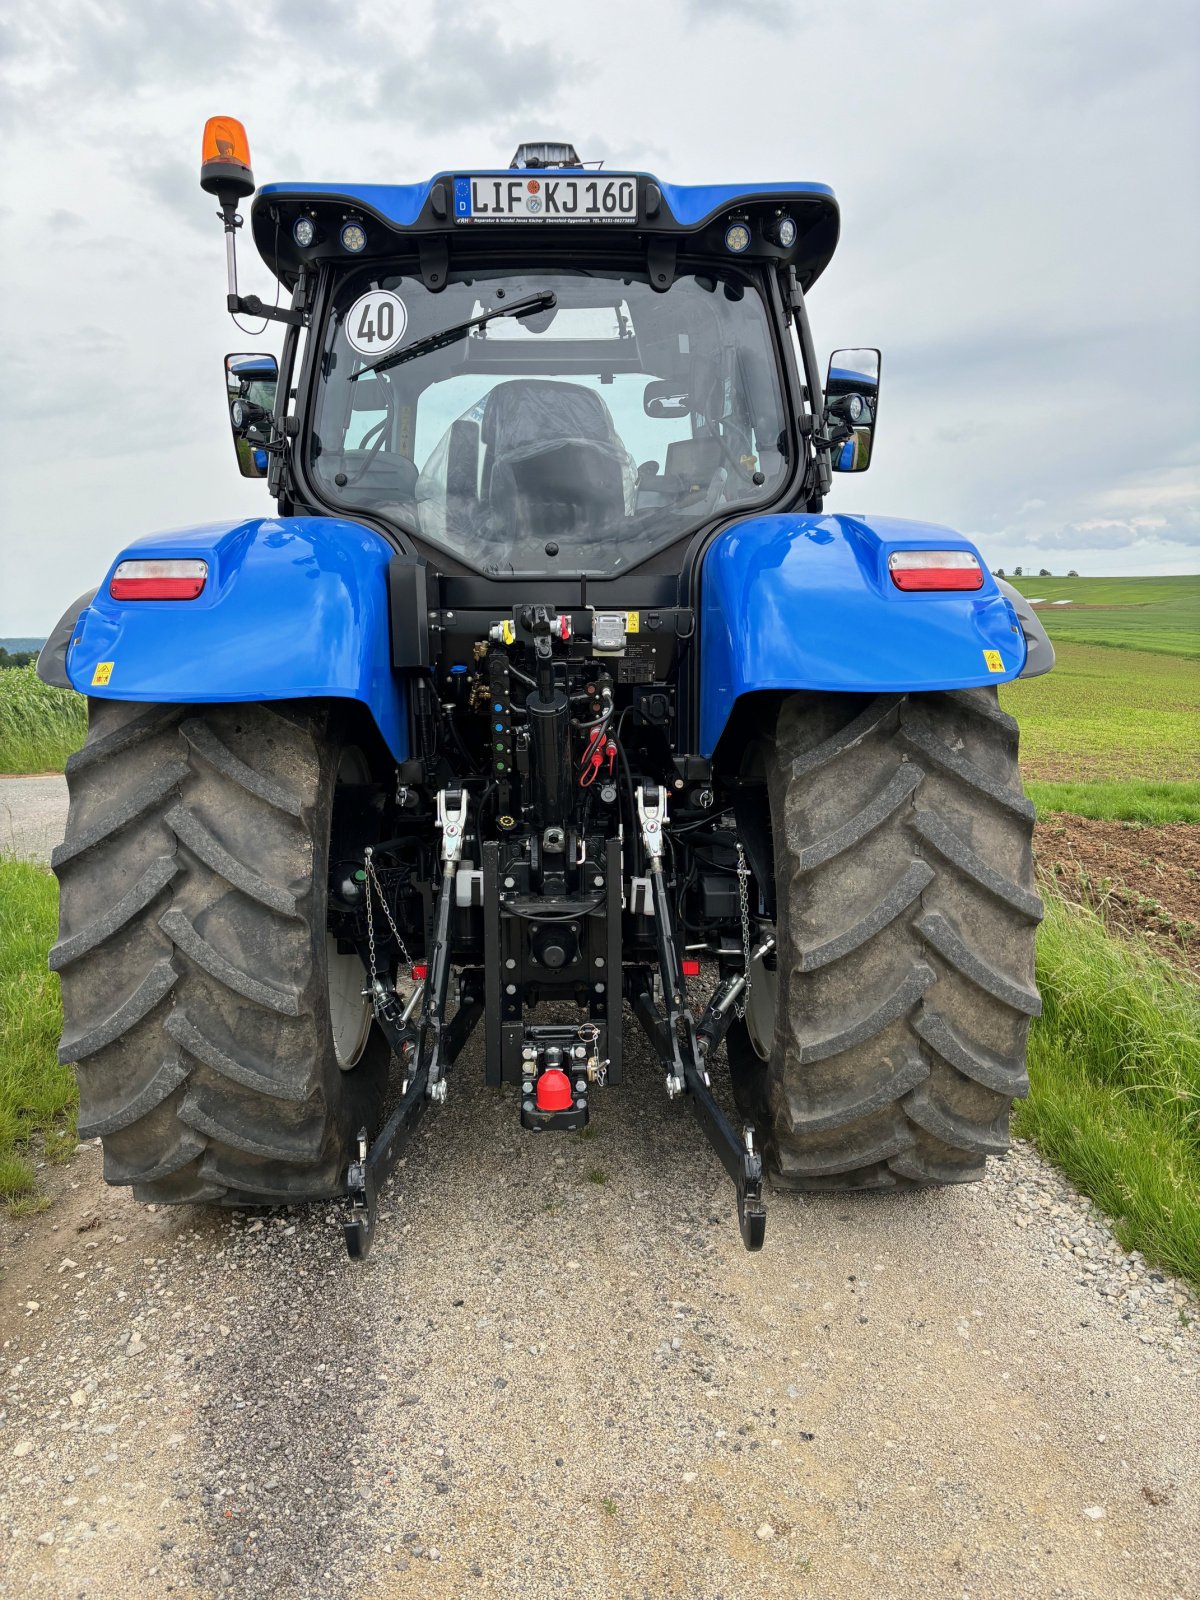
(468, 73)
(767, 13)
(1182, 530)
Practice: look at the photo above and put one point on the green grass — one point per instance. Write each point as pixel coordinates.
(1156, 614)
(1132, 801)
(37, 1096)
(1114, 1064)
(39, 726)
(1103, 717)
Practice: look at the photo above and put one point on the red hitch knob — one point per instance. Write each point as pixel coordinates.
(553, 1091)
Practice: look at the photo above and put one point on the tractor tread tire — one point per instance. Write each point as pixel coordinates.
(905, 918)
(191, 954)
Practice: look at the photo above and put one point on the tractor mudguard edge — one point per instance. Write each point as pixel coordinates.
(805, 601)
(1040, 658)
(293, 608)
(52, 658)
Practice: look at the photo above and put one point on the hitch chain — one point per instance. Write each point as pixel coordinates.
(375, 986)
(743, 874)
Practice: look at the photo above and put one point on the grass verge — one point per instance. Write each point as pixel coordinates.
(1133, 801)
(1114, 1064)
(39, 726)
(37, 1096)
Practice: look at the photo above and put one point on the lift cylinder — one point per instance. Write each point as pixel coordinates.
(551, 771)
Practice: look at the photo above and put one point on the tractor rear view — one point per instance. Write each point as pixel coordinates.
(550, 702)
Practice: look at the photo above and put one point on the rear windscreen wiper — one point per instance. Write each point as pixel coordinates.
(545, 300)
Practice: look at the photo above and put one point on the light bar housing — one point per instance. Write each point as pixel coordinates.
(158, 580)
(930, 571)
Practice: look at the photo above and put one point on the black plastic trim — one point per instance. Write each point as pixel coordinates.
(52, 659)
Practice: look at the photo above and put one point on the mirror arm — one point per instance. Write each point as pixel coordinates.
(832, 440)
(251, 306)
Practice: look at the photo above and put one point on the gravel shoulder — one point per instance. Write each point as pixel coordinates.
(560, 1374)
(543, 1384)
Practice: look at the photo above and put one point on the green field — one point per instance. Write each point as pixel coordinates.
(39, 726)
(37, 1096)
(1105, 716)
(1158, 614)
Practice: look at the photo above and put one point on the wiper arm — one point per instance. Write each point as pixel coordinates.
(544, 300)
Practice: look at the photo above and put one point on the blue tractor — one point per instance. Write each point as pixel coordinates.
(551, 699)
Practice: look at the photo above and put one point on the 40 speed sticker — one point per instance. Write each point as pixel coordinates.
(375, 322)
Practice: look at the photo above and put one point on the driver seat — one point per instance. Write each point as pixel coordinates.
(553, 464)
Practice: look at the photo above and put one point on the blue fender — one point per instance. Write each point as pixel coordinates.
(806, 602)
(294, 607)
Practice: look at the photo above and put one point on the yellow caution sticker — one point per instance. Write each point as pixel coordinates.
(994, 660)
(102, 674)
(632, 621)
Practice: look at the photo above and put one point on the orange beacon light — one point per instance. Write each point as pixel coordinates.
(225, 160)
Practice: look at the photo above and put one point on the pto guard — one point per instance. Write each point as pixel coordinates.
(294, 608)
(806, 602)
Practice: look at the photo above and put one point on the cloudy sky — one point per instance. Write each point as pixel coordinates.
(1018, 182)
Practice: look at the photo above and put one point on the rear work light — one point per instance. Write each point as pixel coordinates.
(158, 580)
(929, 570)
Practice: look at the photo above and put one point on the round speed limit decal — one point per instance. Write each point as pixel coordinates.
(375, 322)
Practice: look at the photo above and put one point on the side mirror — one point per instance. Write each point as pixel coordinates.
(851, 407)
(666, 398)
(251, 379)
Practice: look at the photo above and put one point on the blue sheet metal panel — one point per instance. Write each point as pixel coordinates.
(806, 602)
(294, 607)
(402, 204)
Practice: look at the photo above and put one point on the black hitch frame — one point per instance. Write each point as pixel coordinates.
(674, 1034)
(427, 1045)
(425, 1048)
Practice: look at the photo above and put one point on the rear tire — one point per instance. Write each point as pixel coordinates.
(905, 921)
(193, 953)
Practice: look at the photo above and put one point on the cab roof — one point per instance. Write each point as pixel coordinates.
(694, 216)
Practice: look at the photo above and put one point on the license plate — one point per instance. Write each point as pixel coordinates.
(543, 198)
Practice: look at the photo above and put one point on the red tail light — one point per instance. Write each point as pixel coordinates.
(928, 570)
(420, 972)
(691, 969)
(158, 580)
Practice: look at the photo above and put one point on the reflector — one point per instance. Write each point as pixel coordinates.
(158, 580)
(931, 570)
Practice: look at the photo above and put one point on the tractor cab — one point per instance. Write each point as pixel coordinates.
(548, 371)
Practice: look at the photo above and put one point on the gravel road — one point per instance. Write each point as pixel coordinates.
(33, 816)
(560, 1374)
